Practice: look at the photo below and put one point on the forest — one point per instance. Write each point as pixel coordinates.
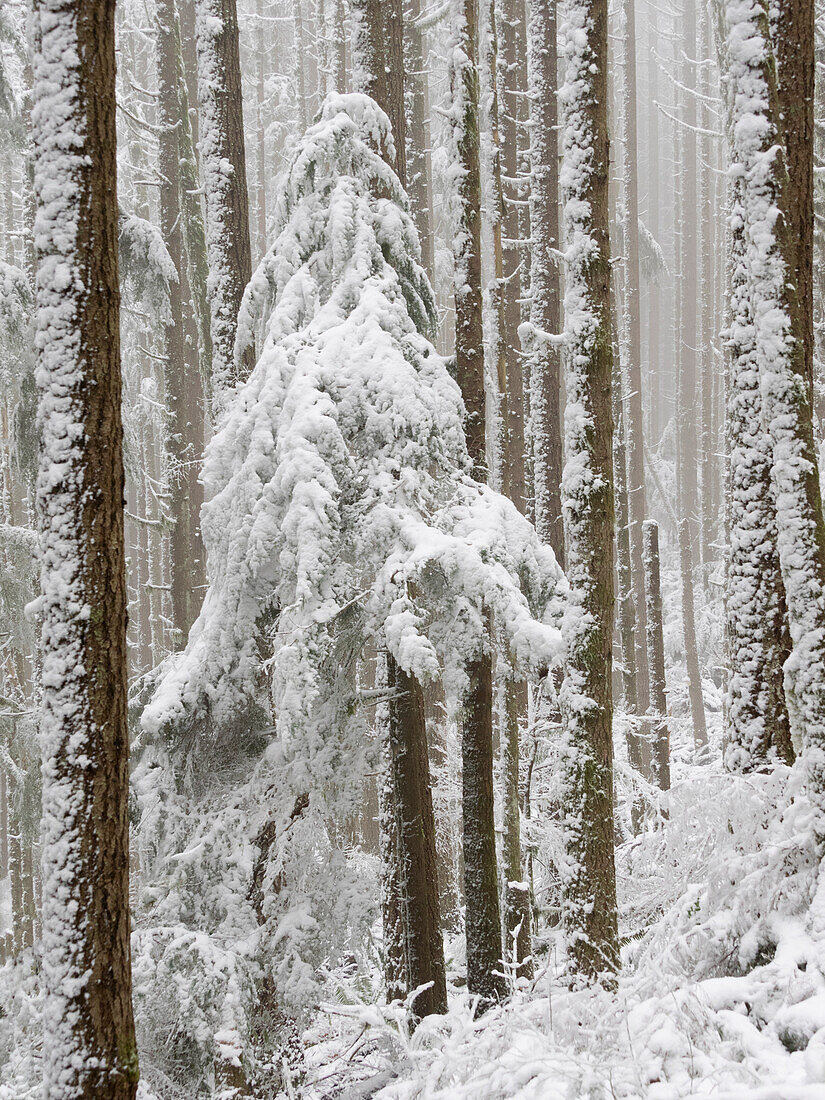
(412, 550)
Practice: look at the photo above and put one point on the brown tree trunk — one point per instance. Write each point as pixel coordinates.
(409, 819)
(223, 160)
(589, 875)
(91, 1052)
(482, 916)
(184, 441)
(545, 300)
(419, 168)
(424, 948)
(656, 656)
(634, 430)
(793, 40)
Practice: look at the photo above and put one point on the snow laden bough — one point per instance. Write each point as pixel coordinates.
(340, 511)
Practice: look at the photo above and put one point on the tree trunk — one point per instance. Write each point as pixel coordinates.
(545, 299)
(634, 428)
(482, 917)
(409, 817)
(694, 672)
(782, 360)
(587, 494)
(184, 440)
(223, 160)
(419, 166)
(424, 948)
(757, 638)
(794, 38)
(87, 1012)
(656, 656)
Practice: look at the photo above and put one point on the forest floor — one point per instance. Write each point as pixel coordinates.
(722, 989)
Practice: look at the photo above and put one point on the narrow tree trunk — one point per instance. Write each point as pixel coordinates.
(656, 656)
(634, 428)
(424, 948)
(694, 672)
(420, 188)
(87, 1012)
(223, 160)
(482, 916)
(587, 494)
(545, 299)
(410, 823)
(185, 436)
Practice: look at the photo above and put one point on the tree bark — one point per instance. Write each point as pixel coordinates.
(424, 947)
(756, 631)
(758, 152)
(223, 160)
(656, 656)
(87, 1012)
(545, 299)
(184, 439)
(482, 916)
(587, 494)
(420, 187)
(634, 428)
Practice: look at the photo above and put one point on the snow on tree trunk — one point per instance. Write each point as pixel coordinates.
(634, 430)
(656, 657)
(408, 804)
(589, 876)
(759, 167)
(545, 299)
(758, 726)
(420, 185)
(423, 943)
(512, 695)
(182, 380)
(89, 1043)
(223, 161)
(482, 917)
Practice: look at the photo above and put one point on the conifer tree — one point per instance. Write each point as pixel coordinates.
(89, 1041)
(223, 160)
(587, 497)
(482, 916)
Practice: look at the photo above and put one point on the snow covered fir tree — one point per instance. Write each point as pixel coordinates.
(412, 553)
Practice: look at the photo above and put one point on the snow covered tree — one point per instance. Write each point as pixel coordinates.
(758, 726)
(223, 159)
(587, 498)
(89, 1043)
(760, 170)
(341, 513)
(183, 390)
(483, 914)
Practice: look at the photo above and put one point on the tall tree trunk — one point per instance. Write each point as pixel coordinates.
(772, 255)
(545, 298)
(420, 187)
(587, 495)
(634, 428)
(794, 36)
(513, 695)
(87, 1012)
(185, 436)
(654, 349)
(410, 816)
(656, 656)
(424, 948)
(757, 639)
(482, 917)
(223, 160)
